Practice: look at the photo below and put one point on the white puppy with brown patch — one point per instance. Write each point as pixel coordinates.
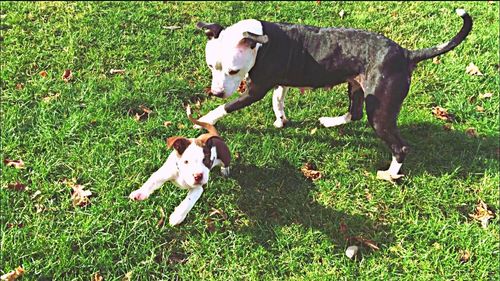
(188, 167)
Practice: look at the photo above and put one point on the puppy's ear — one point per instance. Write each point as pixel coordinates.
(250, 39)
(212, 30)
(178, 143)
(221, 148)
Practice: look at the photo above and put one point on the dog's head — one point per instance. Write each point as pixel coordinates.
(195, 157)
(231, 53)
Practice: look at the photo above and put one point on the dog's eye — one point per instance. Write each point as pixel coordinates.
(185, 161)
(233, 72)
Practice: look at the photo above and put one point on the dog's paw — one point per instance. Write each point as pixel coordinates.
(385, 175)
(139, 195)
(332, 121)
(176, 218)
(280, 123)
(225, 171)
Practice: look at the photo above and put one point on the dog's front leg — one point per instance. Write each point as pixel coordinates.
(254, 94)
(165, 173)
(279, 106)
(185, 206)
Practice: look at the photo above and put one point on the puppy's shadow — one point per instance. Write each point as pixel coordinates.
(273, 197)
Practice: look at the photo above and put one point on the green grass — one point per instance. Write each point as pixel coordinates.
(280, 225)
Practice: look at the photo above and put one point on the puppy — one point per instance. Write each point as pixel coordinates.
(282, 55)
(188, 167)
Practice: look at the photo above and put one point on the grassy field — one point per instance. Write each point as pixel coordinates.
(273, 223)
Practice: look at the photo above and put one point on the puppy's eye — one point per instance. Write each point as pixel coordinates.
(233, 72)
(185, 161)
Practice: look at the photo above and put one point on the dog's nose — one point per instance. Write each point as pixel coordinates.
(217, 93)
(198, 177)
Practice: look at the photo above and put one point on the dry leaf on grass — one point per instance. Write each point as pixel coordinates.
(19, 86)
(309, 171)
(485, 95)
(177, 257)
(471, 132)
(161, 222)
(18, 164)
(464, 256)
(442, 113)
(482, 214)
(479, 108)
(117, 71)
(341, 14)
(472, 69)
(167, 123)
(127, 277)
(367, 242)
(13, 275)
(79, 196)
(97, 277)
(436, 60)
(218, 212)
(43, 73)
(67, 75)
(313, 131)
(16, 186)
(140, 114)
(210, 225)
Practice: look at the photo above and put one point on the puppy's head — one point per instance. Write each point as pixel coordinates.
(230, 53)
(195, 158)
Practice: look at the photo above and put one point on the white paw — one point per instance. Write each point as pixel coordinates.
(385, 175)
(225, 171)
(280, 123)
(139, 195)
(176, 218)
(332, 121)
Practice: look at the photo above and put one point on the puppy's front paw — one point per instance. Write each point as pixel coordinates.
(225, 171)
(139, 195)
(176, 218)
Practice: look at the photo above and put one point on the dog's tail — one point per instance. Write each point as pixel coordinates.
(423, 54)
(209, 127)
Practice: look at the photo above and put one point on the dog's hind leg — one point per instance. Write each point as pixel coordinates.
(356, 98)
(279, 106)
(382, 109)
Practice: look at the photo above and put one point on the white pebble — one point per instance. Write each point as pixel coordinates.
(351, 251)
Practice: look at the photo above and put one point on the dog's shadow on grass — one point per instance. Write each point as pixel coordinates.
(434, 149)
(273, 197)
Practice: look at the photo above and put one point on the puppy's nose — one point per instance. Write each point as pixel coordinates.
(218, 94)
(198, 177)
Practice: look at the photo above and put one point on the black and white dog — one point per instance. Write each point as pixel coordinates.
(281, 55)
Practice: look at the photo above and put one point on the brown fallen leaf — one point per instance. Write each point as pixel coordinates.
(341, 14)
(471, 132)
(436, 60)
(482, 214)
(442, 113)
(472, 69)
(13, 275)
(464, 256)
(173, 27)
(309, 171)
(97, 277)
(210, 225)
(485, 95)
(18, 225)
(177, 258)
(479, 108)
(243, 86)
(218, 212)
(368, 195)
(117, 71)
(79, 196)
(313, 131)
(141, 114)
(145, 109)
(36, 194)
(367, 242)
(18, 164)
(39, 208)
(17, 186)
(161, 222)
(19, 86)
(43, 73)
(67, 75)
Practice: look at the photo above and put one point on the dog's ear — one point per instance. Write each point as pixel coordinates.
(178, 143)
(250, 39)
(212, 30)
(221, 148)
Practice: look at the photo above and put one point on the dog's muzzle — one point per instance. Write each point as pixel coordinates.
(216, 94)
